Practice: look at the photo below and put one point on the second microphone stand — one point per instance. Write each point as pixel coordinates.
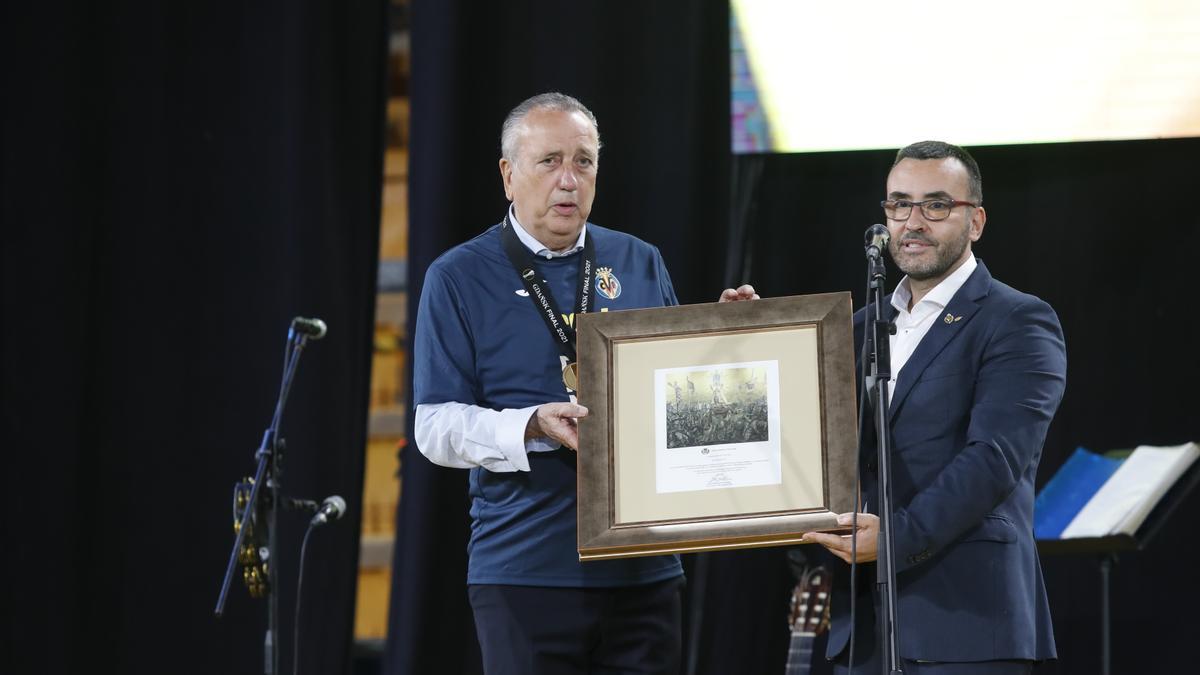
(878, 332)
(266, 507)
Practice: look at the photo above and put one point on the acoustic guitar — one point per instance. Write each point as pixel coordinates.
(808, 617)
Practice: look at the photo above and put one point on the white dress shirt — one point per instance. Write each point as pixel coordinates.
(912, 326)
(463, 436)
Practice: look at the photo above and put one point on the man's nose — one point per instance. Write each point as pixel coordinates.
(916, 219)
(567, 180)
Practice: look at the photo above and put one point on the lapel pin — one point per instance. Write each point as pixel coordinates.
(950, 318)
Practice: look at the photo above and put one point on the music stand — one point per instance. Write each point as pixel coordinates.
(1107, 548)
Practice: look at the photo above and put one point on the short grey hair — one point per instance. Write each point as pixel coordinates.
(551, 100)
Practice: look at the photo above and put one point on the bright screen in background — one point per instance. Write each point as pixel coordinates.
(813, 76)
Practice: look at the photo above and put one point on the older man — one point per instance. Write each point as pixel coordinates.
(493, 383)
(979, 372)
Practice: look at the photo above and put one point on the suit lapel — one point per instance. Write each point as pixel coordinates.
(949, 325)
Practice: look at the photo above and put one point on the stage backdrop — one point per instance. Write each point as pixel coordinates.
(179, 181)
(1103, 231)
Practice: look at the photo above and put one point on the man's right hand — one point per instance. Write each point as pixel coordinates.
(556, 421)
(743, 292)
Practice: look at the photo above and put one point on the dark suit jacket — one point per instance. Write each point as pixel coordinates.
(968, 419)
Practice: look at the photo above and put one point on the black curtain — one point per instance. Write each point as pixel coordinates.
(179, 181)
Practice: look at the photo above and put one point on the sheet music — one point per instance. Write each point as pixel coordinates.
(1121, 505)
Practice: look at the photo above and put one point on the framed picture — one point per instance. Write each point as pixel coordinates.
(716, 426)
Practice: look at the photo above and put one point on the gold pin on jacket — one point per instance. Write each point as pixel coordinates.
(950, 318)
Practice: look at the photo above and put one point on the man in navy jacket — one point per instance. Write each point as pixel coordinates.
(494, 388)
(978, 370)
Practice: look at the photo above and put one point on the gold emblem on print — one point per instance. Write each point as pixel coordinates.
(607, 283)
(950, 318)
(571, 376)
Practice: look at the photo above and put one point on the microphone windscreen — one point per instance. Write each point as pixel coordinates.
(338, 506)
(876, 235)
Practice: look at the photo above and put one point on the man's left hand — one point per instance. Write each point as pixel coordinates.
(743, 292)
(839, 544)
(558, 421)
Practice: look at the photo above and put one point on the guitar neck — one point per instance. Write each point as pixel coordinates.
(799, 661)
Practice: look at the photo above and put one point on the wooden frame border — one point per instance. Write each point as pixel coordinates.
(599, 535)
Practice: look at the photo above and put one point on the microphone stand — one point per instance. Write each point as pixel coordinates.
(269, 455)
(877, 333)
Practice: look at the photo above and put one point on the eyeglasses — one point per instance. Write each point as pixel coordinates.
(932, 209)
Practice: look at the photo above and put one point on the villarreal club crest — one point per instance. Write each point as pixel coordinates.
(607, 283)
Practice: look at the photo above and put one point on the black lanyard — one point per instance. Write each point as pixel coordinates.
(522, 260)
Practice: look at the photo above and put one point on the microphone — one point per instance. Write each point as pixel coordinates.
(876, 239)
(313, 328)
(331, 509)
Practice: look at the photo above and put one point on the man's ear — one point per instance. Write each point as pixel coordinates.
(506, 169)
(978, 220)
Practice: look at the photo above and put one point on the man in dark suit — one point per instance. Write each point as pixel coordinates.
(978, 371)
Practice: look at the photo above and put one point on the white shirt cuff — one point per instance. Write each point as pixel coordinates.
(510, 437)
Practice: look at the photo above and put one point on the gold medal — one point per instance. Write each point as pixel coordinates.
(571, 376)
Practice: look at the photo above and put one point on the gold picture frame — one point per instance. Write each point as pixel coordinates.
(715, 426)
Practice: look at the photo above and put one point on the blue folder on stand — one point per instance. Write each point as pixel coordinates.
(1069, 490)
